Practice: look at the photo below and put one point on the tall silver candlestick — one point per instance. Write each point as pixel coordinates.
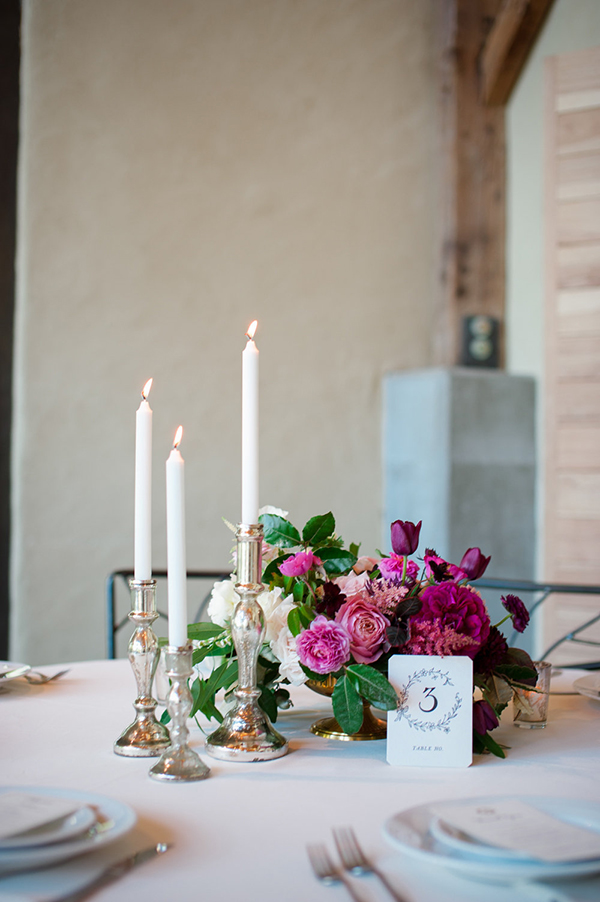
(246, 733)
(179, 762)
(145, 737)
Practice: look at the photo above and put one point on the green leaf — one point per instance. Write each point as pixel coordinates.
(373, 686)
(280, 532)
(318, 529)
(294, 623)
(336, 560)
(299, 591)
(165, 717)
(347, 706)
(268, 703)
(354, 548)
(492, 746)
(204, 631)
(307, 615)
(317, 677)
(517, 673)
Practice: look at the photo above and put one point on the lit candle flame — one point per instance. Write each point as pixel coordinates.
(251, 330)
(178, 436)
(146, 389)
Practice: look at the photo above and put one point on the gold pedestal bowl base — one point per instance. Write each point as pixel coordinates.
(371, 728)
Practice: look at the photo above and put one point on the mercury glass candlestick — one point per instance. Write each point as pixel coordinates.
(179, 762)
(145, 737)
(246, 733)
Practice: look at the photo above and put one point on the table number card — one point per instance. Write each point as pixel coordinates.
(432, 725)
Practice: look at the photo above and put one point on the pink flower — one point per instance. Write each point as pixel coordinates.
(428, 638)
(354, 583)
(324, 646)
(391, 567)
(299, 564)
(459, 607)
(431, 558)
(365, 563)
(366, 627)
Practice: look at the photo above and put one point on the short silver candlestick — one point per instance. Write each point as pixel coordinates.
(179, 762)
(246, 733)
(145, 737)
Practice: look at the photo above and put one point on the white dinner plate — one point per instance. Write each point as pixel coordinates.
(589, 685)
(455, 839)
(57, 831)
(114, 820)
(9, 670)
(410, 832)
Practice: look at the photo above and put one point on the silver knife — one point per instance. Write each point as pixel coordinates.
(113, 872)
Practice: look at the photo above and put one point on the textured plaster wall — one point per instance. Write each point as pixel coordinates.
(186, 167)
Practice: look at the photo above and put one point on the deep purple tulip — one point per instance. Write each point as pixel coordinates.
(405, 536)
(474, 563)
(484, 717)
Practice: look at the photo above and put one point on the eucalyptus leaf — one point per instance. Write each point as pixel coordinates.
(318, 529)
(347, 706)
(280, 532)
(373, 686)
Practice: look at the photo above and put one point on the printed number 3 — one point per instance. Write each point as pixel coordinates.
(430, 700)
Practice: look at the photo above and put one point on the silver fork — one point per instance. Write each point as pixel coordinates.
(38, 679)
(356, 862)
(326, 871)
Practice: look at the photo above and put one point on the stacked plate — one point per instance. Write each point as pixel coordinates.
(9, 670)
(91, 821)
(422, 834)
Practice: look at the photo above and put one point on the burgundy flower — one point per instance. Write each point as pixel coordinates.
(459, 607)
(492, 653)
(440, 569)
(324, 646)
(405, 536)
(474, 563)
(517, 610)
(331, 600)
(484, 717)
(366, 626)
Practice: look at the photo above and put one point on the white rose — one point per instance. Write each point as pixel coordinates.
(270, 602)
(284, 648)
(222, 602)
(276, 511)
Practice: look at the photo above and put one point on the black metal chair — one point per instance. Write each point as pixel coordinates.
(117, 577)
(539, 592)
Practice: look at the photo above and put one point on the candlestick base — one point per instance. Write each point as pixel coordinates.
(179, 763)
(145, 737)
(246, 733)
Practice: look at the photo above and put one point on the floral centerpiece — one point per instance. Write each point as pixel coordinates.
(331, 613)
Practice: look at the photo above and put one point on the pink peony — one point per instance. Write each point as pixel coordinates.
(391, 567)
(324, 646)
(366, 627)
(299, 564)
(459, 607)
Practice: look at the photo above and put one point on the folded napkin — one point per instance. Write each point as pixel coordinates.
(22, 811)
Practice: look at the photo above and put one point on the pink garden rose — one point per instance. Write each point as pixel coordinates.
(299, 564)
(366, 626)
(324, 646)
(353, 583)
(459, 607)
(391, 567)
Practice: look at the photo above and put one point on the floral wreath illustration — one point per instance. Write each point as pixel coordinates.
(443, 723)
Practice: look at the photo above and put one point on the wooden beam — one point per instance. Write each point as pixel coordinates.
(472, 217)
(508, 45)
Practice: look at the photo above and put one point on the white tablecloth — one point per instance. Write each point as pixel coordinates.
(241, 834)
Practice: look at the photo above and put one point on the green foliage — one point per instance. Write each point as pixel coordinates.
(373, 686)
(280, 532)
(318, 529)
(347, 705)
(336, 561)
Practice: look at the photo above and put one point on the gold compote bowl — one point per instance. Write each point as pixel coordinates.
(371, 728)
